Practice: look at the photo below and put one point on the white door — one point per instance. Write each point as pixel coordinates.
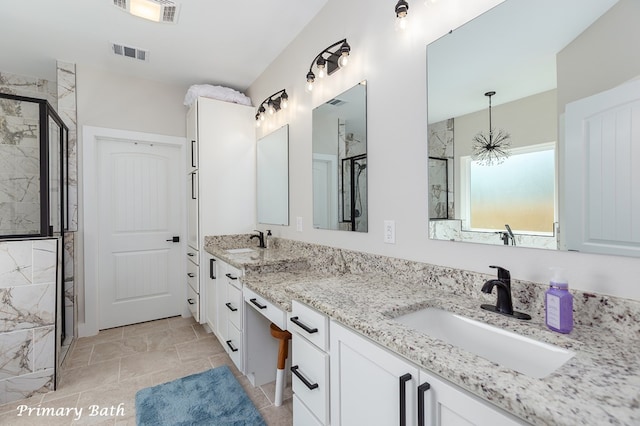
(325, 191)
(138, 266)
(602, 200)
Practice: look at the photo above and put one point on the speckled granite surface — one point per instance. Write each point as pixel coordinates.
(600, 385)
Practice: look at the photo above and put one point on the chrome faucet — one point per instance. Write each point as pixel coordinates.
(260, 236)
(504, 304)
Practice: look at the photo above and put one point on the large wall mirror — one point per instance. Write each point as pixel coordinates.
(510, 141)
(340, 162)
(273, 177)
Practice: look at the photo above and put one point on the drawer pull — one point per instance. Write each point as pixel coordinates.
(255, 302)
(191, 301)
(299, 375)
(421, 390)
(231, 308)
(231, 277)
(191, 275)
(306, 328)
(191, 254)
(403, 398)
(231, 346)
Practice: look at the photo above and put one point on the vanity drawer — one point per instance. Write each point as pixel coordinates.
(234, 306)
(310, 381)
(193, 255)
(232, 275)
(193, 300)
(233, 345)
(192, 276)
(301, 414)
(266, 308)
(310, 324)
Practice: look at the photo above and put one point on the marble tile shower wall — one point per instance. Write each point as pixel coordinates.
(28, 271)
(19, 167)
(62, 96)
(618, 317)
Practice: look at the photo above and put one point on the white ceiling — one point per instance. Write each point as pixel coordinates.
(227, 43)
(511, 49)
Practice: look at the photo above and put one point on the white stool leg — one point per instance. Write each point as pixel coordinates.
(280, 384)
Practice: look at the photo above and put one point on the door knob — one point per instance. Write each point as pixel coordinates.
(174, 239)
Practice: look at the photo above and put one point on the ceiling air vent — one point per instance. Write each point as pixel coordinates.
(336, 102)
(130, 52)
(165, 11)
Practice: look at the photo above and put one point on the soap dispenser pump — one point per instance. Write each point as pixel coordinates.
(559, 304)
(268, 239)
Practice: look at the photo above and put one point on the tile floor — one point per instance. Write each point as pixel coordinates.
(109, 368)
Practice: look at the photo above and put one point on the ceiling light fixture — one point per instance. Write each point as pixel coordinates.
(402, 9)
(491, 149)
(331, 63)
(165, 11)
(271, 105)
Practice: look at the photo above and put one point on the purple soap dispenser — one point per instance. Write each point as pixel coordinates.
(559, 304)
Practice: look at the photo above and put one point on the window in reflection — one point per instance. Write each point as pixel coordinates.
(519, 192)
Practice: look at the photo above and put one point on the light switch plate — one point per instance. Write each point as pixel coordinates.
(390, 231)
(299, 224)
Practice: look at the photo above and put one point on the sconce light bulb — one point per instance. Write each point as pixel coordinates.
(271, 108)
(258, 122)
(309, 86)
(284, 102)
(344, 60)
(262, 116)
(321, 72)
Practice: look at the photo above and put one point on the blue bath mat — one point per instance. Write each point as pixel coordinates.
(213, 397)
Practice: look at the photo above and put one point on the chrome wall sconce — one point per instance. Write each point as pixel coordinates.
(271, 105)
(402, 9)
(333, 61)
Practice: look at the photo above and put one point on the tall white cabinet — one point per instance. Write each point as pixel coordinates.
(221, 174)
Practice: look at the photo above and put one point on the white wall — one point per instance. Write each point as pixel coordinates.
(394, 66)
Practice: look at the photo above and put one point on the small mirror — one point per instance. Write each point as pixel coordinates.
(273, 177)
(340, 162)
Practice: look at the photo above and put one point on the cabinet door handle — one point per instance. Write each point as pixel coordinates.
(231, 277)
(193, 186)
(191, 254)
(403, 398)
(421, 390)
(255, 302)
(193, 152)
(307, 383)
(191, 275)
(231, 308)
(191, 302)
(212, 269)
(303, 326)
(233, 349)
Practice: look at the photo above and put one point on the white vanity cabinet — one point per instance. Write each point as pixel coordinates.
(371, 385)
(221, 173)
(368, 382)
(310, 365)
(229, 325)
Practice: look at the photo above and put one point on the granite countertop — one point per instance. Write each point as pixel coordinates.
(599, 385)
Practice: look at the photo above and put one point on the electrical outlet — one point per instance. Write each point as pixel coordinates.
(299, 224)
(390, 231)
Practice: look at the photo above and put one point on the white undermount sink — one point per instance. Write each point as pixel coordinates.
(523, 354)
(240, 250)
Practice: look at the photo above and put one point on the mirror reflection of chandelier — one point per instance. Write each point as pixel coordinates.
(492, 148)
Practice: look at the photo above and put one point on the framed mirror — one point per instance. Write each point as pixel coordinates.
(273, 177)
(339, 145)
(483, 85)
